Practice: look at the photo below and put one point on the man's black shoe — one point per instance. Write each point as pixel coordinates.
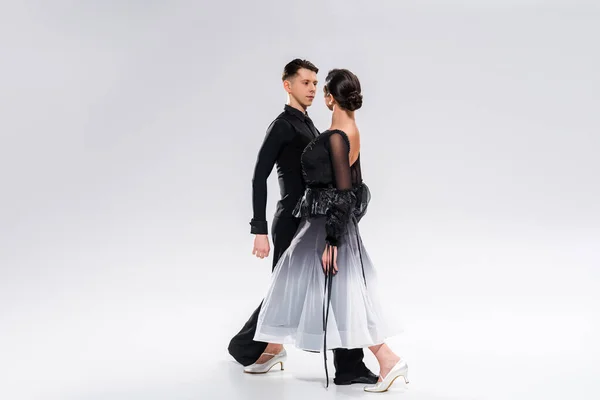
(366, 377)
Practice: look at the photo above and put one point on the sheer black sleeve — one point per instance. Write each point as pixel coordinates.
(278, 135)
(339, 213)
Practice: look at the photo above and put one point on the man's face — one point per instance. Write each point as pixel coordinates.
(303, 86)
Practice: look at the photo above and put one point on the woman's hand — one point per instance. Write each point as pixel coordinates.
(329, 255)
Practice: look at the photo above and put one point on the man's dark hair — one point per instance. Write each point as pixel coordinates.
(293, 66)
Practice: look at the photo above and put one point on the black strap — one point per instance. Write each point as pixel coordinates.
(327, 295)
(358, 241)
(326, 304)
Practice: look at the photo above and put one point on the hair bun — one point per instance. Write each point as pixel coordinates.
(344, 86)
(353, 101)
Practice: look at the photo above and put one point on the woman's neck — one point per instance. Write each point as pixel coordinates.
(342, 118)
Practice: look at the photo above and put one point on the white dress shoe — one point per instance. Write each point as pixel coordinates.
(400, 369)
(266, 367)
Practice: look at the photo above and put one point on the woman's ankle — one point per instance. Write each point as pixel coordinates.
(385, 355)
(273, 348)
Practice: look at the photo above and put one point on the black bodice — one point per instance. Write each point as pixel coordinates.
(334, 188)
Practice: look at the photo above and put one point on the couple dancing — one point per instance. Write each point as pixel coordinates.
(322, 294)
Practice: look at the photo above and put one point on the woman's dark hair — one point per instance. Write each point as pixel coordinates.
(344, 86)
(291, 68)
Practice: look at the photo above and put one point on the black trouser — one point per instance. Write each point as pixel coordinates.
(348, 362)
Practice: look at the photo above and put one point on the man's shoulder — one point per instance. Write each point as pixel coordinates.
(282, 121)
(284, 116)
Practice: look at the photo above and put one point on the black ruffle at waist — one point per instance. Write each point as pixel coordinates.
(317, 200)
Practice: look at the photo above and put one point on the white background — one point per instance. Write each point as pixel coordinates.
(128, 135)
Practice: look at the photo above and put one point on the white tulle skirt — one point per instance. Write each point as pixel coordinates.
(292, 311)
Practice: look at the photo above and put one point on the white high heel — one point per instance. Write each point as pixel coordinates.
(266, 367)
(400, 369)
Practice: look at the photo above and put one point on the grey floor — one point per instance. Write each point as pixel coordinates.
(171, 345)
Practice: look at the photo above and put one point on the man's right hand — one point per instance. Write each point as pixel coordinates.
(261, 246)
